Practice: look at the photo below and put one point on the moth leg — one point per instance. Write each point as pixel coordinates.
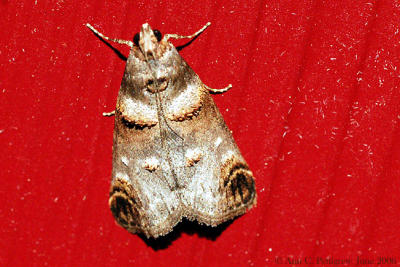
(218, 91)
(109, 114)
(119, 41)
(176, 36)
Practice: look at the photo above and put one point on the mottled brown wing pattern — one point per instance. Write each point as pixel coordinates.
(173, 155)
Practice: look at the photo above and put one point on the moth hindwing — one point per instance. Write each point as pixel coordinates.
(173, 155)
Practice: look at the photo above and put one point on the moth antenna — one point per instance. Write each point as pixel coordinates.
(119, 41)
(176, 36)
(109, 114)
(218, 91)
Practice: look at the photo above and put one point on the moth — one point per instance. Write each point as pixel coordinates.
(173, 155)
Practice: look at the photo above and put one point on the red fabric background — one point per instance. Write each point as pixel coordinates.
(314, 109)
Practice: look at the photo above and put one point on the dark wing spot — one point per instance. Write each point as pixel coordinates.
(237, 183)
(124, 205)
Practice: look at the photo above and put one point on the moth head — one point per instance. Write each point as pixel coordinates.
(154, 64)
(148, 41)
(154, 61)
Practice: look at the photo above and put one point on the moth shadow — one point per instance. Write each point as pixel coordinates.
(179, 48)
(188, 227)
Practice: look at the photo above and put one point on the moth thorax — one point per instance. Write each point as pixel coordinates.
(158, 85)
